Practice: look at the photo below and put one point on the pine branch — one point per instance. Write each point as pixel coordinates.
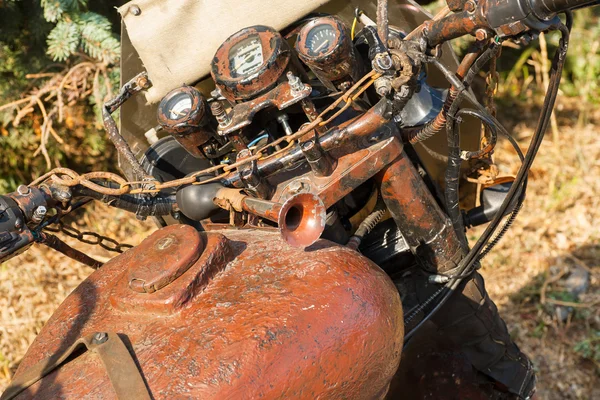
(63, 40)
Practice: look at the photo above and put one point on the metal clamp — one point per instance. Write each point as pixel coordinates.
(126, 379)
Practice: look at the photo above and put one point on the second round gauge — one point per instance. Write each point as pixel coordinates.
(324, 45)
(321, 39)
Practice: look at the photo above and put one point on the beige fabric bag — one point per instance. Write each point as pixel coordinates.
(162, 26)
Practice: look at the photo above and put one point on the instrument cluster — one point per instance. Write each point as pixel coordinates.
(257, 68)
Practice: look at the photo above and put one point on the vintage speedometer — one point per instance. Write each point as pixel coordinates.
(250, 62)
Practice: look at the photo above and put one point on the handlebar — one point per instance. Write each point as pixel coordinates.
(504, 18)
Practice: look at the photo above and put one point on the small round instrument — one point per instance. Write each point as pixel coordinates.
(250, 62)
(324, 45)
(184, 114)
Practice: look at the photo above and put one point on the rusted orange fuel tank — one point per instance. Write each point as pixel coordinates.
(232, 315)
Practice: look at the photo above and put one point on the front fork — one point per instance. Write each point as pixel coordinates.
(424, 225)
(470, 319)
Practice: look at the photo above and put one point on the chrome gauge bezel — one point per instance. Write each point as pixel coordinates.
(238, 85)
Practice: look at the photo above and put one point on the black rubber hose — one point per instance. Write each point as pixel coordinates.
(376, 46)
(452, 177)
(141, 206)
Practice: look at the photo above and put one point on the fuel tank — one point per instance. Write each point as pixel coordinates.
(234, 314)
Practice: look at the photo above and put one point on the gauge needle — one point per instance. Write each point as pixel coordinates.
(177, 112)
(322, 45)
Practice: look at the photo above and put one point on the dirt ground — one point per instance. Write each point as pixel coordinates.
(558, 231)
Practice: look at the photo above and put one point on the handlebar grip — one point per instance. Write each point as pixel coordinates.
(15, 236)
(548, 8)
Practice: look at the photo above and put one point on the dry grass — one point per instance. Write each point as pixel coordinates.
(559, 226)
(561, 219)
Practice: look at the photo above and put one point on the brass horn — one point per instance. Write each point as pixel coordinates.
(301, 218)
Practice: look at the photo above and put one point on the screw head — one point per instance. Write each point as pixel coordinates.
(135, 10)
(63, 196)
(100, 337)
(18, 223)
(40, 211)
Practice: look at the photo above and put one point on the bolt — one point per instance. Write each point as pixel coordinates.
(18, 223)
(295, 82)
(296, 187)
(283, 119)
(39, 214)
(217, 109)
(23, 190)
(216, 94)
(135, 10)
(481, 34)
(525, 39)
(100, 337)
(469, 6)
(143, 82)
(63, 195)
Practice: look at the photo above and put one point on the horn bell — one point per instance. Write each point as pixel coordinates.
(302, 219)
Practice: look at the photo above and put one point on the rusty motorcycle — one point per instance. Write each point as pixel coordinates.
(306, 164)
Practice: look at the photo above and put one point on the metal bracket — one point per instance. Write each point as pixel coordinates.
(123, 373)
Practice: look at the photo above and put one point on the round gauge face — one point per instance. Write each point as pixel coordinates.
(250, 62)
(179, 105)
(321, 39)
(246, 57)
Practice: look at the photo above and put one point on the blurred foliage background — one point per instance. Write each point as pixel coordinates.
(58, 62)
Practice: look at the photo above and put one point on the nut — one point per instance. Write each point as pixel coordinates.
(23, 190)
(39, 214)
(470, 6)
(481, 34)
(383, 86)
(295, 82)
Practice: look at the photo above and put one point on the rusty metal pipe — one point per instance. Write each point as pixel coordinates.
(382, 21)
(136, 84)
(454, 25)
(301, 219)
(363, 126)
(424, 226)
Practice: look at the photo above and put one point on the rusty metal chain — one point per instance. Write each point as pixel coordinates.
(92, 238)
(70, 178)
